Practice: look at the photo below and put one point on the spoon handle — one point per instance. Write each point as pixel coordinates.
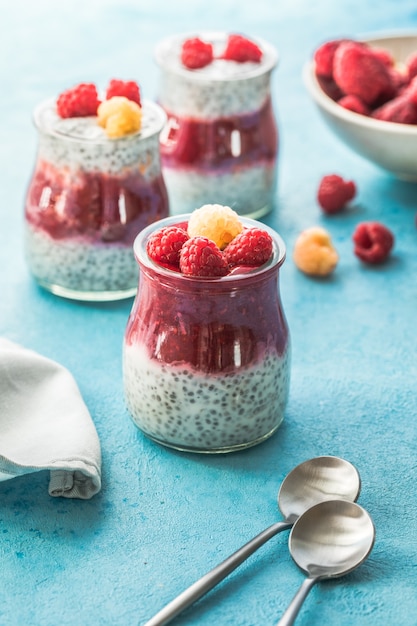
(295, 605)
(214, 576)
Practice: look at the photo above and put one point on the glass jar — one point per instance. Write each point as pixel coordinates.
(221, 138)
(207, 360)
(88, 198)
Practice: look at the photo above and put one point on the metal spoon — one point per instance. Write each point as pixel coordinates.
(316, 480)
(329, 540)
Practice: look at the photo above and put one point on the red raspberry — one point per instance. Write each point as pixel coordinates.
(79, 101)
(399, 80)
(355, 104)
(384, 55)
(201, 257)
(164, 245)
(373, 242)
(410, 92)
(253, 246)
(330, 88)
(323, 57)
(411, 65)
(127, 88)
(241, 49)
(196, 53)
(359, 72)
(334, 193)
(400, 110)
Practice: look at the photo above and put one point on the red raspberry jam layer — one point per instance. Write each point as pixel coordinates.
(101, 207)
(220, 143)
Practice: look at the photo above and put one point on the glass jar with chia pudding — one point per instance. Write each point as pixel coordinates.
(88, 198)
(206, 361)
(221, 139)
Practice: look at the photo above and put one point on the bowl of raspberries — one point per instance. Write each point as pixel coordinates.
(366, 91)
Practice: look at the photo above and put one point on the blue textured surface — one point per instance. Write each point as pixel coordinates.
(164, 518)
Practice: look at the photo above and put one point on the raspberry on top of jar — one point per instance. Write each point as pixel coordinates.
(118, 112)
(213, 243)
(220, 56)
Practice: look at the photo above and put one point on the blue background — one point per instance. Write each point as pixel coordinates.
(164, 518)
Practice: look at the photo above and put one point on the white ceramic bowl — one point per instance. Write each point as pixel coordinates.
(389, 145)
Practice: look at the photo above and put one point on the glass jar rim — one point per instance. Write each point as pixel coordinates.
(164, 49)
(141, 134)
(139, 248)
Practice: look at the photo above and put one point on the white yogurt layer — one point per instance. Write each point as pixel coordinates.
(184, 408)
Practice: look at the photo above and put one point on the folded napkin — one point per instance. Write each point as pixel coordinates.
(45, 424)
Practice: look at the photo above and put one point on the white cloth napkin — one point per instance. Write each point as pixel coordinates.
(45, 424)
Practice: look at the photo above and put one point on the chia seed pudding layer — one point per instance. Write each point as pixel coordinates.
(247, 190)
(77, 266)
(219, 89)
(88, 198)
(80, 143)
(186, 409)
(221, 128)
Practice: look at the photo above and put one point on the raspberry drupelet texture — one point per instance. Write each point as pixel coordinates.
(200, 256)
(127, 88)
(119, 116)
(242, 50)
(373, 242)
(334, 193)
(164, 245)
(253, 247)
(79, 101)
(215, 221)
(314, 253)
(196, 53)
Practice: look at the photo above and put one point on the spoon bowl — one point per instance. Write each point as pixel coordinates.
(316, 480)
(329, 540)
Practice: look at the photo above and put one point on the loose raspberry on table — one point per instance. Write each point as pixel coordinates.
(164, 245)
(200, 256)
(79, 101)
(242, 50)
(314, 253)
(119, 116)
(359, 72)
(196, 53)
(127, 88)
(373, 242)
(215, 221)
(334, 193)
(253, 246)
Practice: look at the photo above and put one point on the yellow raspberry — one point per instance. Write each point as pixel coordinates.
(314, 253)
(119, 116)
(216, 222)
